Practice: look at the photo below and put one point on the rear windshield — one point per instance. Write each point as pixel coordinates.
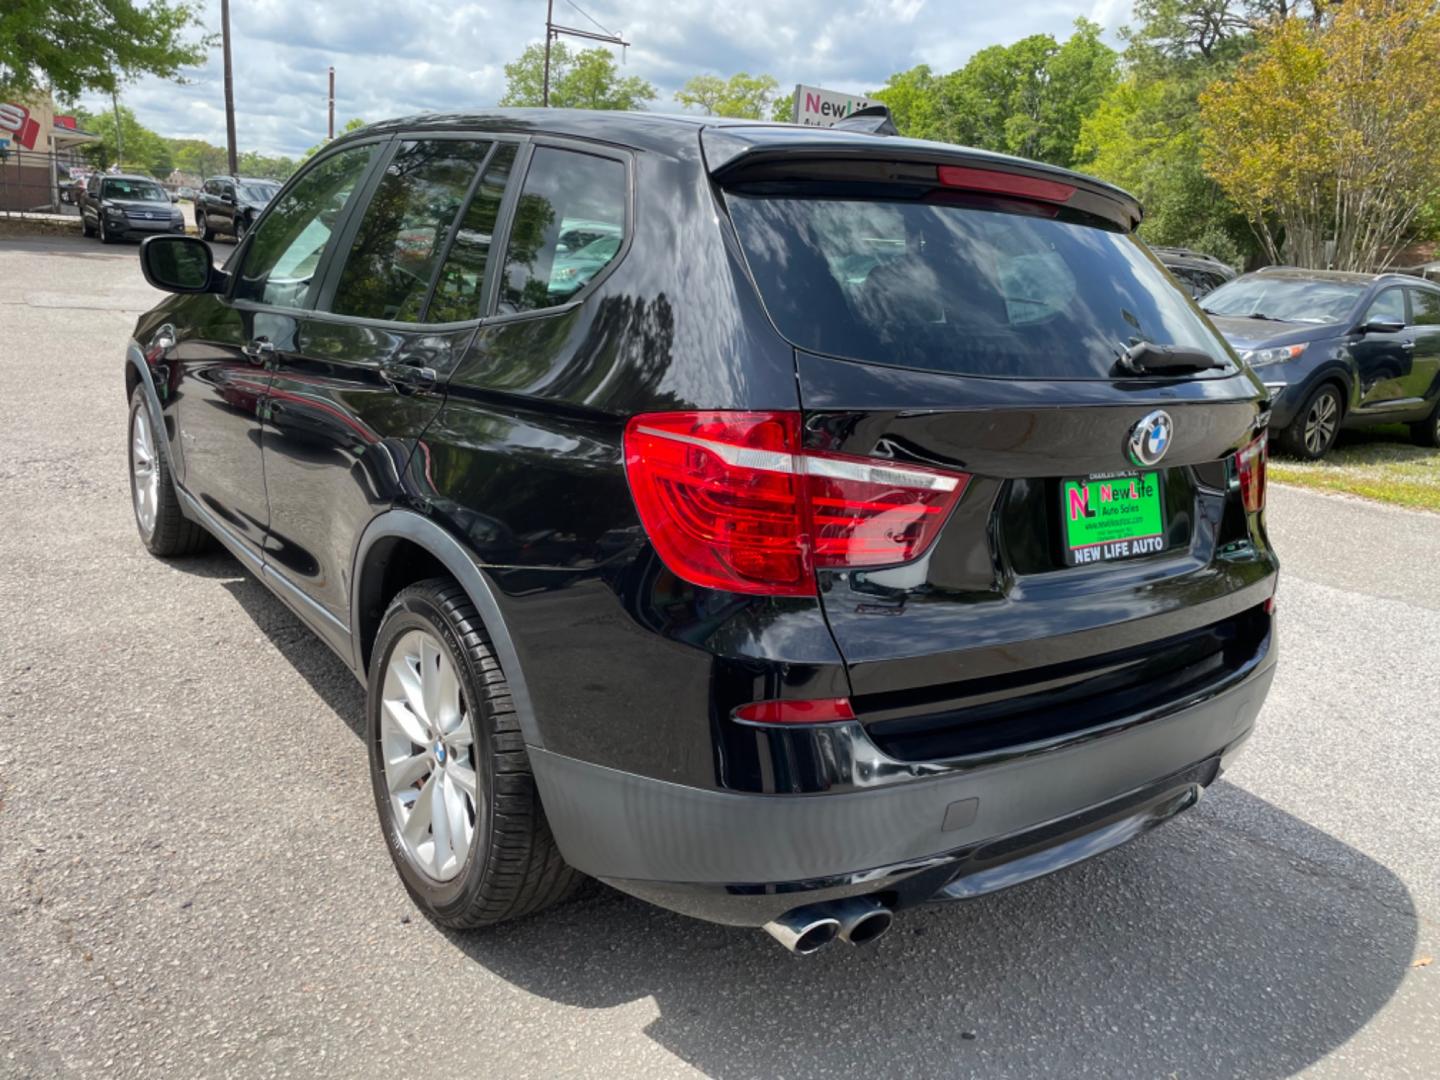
(962, 286)
(1287, 299)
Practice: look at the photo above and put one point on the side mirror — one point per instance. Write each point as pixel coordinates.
(178, 264)
(1382, 326)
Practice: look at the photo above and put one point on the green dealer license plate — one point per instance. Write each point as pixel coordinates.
(1111, 516)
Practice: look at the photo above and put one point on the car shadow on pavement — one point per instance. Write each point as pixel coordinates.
(1237, 941)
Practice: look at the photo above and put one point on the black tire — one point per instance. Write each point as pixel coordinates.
(1309, 436)
(86, 228)
(514, 867)
(242, 226)
(172, 533)
(202, 226)
(1427, 431)
(106, 237)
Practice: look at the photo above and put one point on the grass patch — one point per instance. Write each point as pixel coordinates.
(1377, 463)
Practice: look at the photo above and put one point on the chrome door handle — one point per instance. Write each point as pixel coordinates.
(259, 350)
(1407, 345)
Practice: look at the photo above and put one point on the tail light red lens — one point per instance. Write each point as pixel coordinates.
(1250, 466)
(730, 501)
(1004, 183)
(812, 711)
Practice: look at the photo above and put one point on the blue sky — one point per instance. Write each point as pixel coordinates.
(397, 57)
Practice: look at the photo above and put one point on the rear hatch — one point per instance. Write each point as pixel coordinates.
(983, 317)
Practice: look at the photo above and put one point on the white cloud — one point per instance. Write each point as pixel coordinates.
(393, 59)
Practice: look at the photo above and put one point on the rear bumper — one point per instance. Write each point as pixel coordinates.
(745, 859)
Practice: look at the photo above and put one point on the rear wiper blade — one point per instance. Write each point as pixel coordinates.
(1147, 358)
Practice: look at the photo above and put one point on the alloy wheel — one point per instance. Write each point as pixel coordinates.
(1321, 422)
(427, 746)
(145, 473)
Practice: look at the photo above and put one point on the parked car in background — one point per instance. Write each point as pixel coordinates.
(116, 206)
(866, 521)
(230, 204)
(184, 192)
(1337, 350)
(1199, 273)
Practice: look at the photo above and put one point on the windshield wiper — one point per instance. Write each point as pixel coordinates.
(1147, 358)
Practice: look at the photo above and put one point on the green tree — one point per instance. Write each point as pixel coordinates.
(143, 150)
(1328, 136)
(353, 124)
(1144, 134)
(783, 108)
(198, 157)
(1028, 98)
(916, 103)
(742, 95)
(254, 163)
(587, 79)
(73, 46)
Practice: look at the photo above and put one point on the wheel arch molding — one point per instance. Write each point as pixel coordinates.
(373, 554)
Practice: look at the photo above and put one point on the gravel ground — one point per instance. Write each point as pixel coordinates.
(192, 882)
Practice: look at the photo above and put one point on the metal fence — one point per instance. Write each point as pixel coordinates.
(34, 181)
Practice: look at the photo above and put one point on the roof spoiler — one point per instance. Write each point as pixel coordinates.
(777, 153)
(872, 119)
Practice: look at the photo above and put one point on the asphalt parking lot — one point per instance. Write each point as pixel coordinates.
(192, 882)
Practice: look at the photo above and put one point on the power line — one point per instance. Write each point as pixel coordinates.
(553, 30)
(593, 21)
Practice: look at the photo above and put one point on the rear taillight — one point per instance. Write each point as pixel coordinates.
(1250, 467)
(730, 501)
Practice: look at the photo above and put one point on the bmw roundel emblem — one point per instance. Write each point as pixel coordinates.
(1150, 438)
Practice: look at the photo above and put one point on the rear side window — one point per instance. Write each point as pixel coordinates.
(405, 227)
(962, 286)
(1426, 307)
(457, 291)
(285, 249)
(569, 224)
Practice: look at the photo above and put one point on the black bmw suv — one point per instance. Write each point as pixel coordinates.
(867, 521)
(1337, 350)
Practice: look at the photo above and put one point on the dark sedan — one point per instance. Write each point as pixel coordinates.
(1337, 350)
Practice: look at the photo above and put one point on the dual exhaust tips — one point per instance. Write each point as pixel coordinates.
(858, 920)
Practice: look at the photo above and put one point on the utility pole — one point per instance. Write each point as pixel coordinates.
(331, 135)
(549, 36)
(229, 88)
(553, 30)
(119, 136)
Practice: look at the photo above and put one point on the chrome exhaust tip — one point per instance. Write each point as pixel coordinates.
(804, 930)
(862, 919)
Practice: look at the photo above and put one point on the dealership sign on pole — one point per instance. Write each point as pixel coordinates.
(815, 107)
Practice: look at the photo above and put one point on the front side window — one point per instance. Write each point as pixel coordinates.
(571, 202)
(962, 286)
(1389, 306)
(285, 250)
(133, 190)
(404, 229)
